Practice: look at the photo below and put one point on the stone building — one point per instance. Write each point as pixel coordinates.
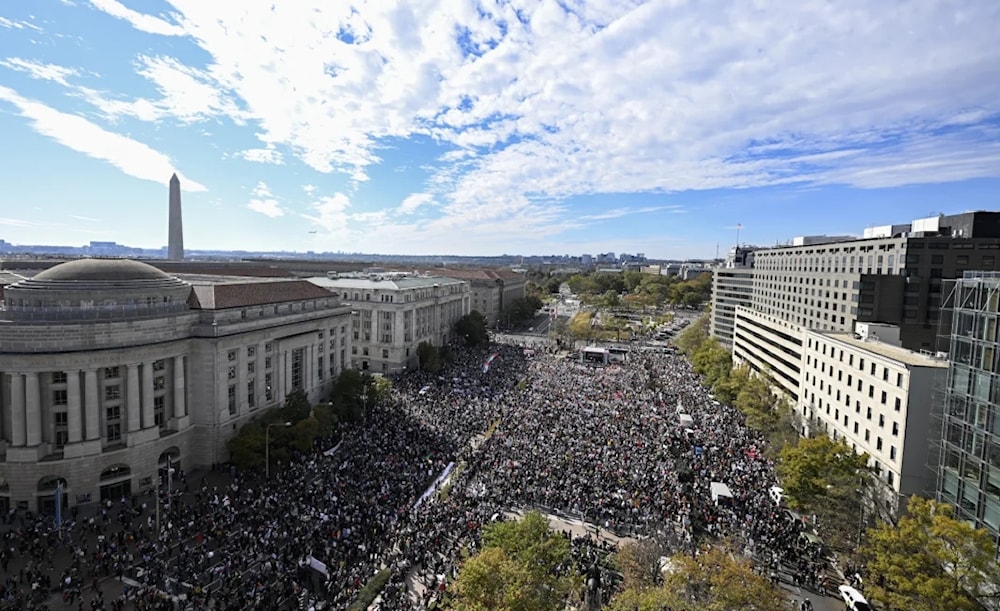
(110, 368)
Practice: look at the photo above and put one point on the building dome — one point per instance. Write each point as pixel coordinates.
(113, 270)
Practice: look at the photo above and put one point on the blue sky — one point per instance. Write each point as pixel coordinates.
(472, 127)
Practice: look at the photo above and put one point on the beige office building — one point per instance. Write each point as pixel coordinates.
(393, 313)
(110, 368)
(877, 397)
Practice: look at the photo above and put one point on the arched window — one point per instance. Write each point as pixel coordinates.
(115, 472)
(50, 482)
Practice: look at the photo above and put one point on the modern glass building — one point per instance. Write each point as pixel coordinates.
(968, 475)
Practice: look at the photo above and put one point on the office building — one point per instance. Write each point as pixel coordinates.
(492, 290)
(393, 313)
(968, 453)
(828, 284)
(732, 287)
(110, 367)
(878, 397)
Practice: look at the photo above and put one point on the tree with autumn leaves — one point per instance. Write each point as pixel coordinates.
(931, 560)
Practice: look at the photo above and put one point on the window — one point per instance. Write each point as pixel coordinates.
(60, 428)
(298, 368)
(364, 351)
(231, 356)
(267, 362)
(251, 394)
(869, 413)
(899, 380)
(268, 392)
(385, 353)
(159, 383)
(232, 399)
(881, 420)
(895, 429)
(112, 392)
(58, 377)
(251, 366)
(899, 404)
(251, 352)
(112, 372)
(884, 397)
(113, 423)
(159, 365)
(878, 443)
(868, 435)
(232, 372)
(58, 397)
(319, 367)
(159, 411)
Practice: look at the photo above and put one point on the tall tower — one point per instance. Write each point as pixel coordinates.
(175, 237)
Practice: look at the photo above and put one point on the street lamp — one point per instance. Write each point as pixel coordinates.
(267, 447)
(170, 472)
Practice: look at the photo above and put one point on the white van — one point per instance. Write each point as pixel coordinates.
(853, 599)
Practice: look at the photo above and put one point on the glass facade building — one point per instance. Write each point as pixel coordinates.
(968, 474)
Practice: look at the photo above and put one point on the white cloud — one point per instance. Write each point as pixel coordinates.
(330, 213)
(267, 207)
(545, 100)
(16, 222)
(309, 189)
(12, 24)
(40, 70)
(130, 156)
(265, 155)
(414, 201)
(140, 21)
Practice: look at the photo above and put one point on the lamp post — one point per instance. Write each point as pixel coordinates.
(267, 447)
(170, 471)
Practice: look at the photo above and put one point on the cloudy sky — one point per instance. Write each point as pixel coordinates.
(490, 127)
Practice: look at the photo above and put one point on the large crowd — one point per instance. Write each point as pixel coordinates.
(512, 428)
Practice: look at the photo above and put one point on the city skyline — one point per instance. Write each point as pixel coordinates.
(460, 129)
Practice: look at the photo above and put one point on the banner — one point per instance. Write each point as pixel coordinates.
(434, 486)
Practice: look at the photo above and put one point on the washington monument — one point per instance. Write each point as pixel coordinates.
(175, 237)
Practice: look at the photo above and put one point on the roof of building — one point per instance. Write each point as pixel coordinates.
(101, 270)
(386, 282)
(219, 296)
(889, 351)
(223, 268)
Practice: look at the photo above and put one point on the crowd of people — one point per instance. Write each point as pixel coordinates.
(511, 428)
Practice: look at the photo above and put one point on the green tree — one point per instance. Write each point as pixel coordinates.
(521, 567)
(429, 357)
(714, 580)
(473, 329)
(931, 560)
(580, 325)
(639, 564)
(693, 336)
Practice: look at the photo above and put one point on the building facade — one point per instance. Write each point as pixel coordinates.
(878, 398)
(891, 276)
(492, 291)
(393, 313)
(112, 367)
(732, 287)
(968, 456)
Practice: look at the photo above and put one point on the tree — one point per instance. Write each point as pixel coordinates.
(473, 329)
(521, 567)
(714, 580)
(428, 357)
(930, 561)
(639, 564)
(580, 325)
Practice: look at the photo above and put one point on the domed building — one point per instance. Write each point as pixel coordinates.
(112, 368)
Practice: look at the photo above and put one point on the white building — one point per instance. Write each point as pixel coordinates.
(877, 397)
(109, 368)
(394, 313)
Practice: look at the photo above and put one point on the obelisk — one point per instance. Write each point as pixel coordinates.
(175, 237)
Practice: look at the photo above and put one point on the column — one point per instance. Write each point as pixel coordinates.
(74, 415)
(286, 375)
(132, 396)
(90, 402)
(32, 410)
(180, 406)
(148, 418)
(17, 415)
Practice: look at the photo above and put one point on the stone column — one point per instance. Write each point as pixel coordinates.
(91, 404)
(17, 415)
(148, 417)
(32, 410)
(132, 397)
(180, 405)
(74, 415)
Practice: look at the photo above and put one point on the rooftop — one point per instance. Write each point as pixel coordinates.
(895, 353)
(219, 296)
(386, 282)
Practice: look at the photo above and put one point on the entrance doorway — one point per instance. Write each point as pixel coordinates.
(116, 483)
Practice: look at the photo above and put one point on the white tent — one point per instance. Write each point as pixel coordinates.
(686, 420)
(721, 491)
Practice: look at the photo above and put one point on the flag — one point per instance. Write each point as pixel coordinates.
(739, 225)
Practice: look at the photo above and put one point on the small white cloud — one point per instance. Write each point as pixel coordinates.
(267, 207)
(331, 213)
(11, 24)
(265, 155)
(261, 190)
(40, 70)
(84, 218)
(309, 189)
(16, 222)
(72, 131)
(140, 21)
(414, 201)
